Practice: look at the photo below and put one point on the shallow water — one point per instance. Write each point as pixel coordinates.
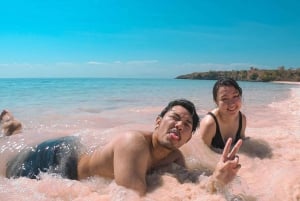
(270, 158)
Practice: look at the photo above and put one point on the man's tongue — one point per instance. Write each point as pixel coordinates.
(174, 136)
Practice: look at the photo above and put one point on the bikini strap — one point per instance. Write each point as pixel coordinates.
(213, 116)
(217, 124)
(217, 140)
(238, 134)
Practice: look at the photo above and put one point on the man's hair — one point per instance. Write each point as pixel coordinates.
(188, 105)
(226, 82)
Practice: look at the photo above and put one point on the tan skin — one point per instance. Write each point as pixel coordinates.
(226, 168)
(228, 104)
(9, 125)
(128, 157)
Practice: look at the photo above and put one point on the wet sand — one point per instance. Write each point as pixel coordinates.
(270, 160)
(286, 82)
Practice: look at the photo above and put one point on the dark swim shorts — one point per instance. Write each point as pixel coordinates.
(58, 156)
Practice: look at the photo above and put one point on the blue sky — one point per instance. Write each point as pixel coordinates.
(146, 39)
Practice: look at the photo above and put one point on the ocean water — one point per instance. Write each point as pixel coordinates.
(98, 109)
(72, 95)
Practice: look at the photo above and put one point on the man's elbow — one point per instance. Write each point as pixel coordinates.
(140, 188)
(137, 187)
(142, 192)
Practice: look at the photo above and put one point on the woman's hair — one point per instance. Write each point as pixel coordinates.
(188, 105)
(226, 82)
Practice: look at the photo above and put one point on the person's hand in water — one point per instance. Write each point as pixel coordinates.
(227, 167)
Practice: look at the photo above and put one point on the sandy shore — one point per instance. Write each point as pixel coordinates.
(286, 82)
(269, 158)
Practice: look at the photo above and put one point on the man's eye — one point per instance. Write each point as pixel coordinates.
(188, 125)
(174, 117)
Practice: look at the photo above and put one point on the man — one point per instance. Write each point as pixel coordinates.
(129, 156)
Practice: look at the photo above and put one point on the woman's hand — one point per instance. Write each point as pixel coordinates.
(227, 167)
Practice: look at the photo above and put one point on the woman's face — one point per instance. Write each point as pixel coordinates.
(228, 99)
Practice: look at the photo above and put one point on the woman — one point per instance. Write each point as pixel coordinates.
(226, 121)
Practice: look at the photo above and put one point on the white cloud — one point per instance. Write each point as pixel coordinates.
(132, 62)
(221, 66)
(65, 63)
(138, 62)
(187, 68)
(96, 63)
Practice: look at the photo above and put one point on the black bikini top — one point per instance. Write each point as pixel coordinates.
(217, 140)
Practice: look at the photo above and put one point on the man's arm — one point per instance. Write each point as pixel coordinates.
(174, 157)
(131, 157)
(226, 168)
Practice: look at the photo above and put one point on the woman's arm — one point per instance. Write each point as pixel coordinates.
(207, 129)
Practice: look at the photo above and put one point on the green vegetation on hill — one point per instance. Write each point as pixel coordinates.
(253, 74)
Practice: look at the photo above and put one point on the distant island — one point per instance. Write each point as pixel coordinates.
(253, 74)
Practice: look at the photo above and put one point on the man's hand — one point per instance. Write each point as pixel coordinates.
(227, 166)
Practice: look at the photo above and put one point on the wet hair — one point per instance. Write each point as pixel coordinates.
(188, 105)
(226, 82)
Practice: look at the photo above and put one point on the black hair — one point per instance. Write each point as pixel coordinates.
(225, 82)
(188, 105)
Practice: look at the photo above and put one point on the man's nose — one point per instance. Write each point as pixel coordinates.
(179, 125)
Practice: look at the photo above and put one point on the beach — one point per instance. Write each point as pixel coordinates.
(269, 157)
(286, 82)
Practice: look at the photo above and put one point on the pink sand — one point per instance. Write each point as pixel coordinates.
(270, 158)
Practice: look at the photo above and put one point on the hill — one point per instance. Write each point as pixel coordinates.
(253, 74)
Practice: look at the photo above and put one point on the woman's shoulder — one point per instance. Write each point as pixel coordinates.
(210, 116)
(208, 121)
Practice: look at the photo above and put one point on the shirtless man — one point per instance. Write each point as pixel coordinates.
(129, 156)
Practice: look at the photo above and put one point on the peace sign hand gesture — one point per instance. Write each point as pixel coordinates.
(227, 167)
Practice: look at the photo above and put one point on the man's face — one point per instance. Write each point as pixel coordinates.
(175, 128)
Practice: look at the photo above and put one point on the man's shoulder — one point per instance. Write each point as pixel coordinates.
(133, 138)
(136, 134)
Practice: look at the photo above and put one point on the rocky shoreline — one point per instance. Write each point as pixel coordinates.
(253, 74)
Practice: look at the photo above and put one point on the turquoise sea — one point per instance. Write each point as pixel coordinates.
(98, 109)
(108, 94)
(84, 103)
(53, 101)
